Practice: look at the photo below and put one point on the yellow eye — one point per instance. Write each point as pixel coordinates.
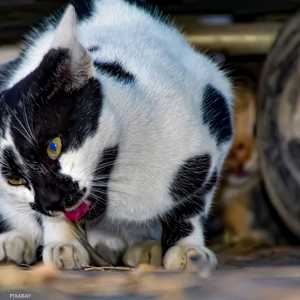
(16, 181)
(54, 148)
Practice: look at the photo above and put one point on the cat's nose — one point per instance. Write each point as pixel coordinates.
(53, 202)
(68, 185)
(58, 193)
(242, 152)
(73, 198)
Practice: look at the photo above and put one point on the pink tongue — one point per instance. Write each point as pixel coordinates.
(78, 212)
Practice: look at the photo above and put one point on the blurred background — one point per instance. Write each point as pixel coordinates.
(257, 44)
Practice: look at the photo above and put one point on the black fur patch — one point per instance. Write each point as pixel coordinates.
(93, 48)
(46, 102)
(173, 230)
(175, 223)
(190, 177)
(190, 207)
(39, 219)
(194, 204)
(115, 70)
(216, 114)
(84, 8)
(4, 226)
(9, 166)
(101, 176)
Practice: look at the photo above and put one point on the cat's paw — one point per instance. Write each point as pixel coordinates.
(189, 258)
(147, 252)
(14, 247)
(68, 256)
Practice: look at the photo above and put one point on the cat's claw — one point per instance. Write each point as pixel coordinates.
(14, 247)
(68, 256)
(189, 258)
(147, 252)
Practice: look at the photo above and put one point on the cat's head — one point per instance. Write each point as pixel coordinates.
(55, 129)
(242, 162)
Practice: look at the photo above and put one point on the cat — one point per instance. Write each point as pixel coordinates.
(110, 118)
(241, 165)
(242, 170)
(242, 174)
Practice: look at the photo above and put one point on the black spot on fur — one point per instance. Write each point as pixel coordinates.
(4, 226)
(216, 114)
(190, 207)
(93, 48)
(190, 177)
(101, 176)
(39, 219)
(176, 224)
(84, 8)
(173, 230)
(114, 69)
(194, 204)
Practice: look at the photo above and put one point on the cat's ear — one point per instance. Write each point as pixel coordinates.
(66, 37)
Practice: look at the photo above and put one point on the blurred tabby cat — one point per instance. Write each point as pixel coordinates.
(242, 169)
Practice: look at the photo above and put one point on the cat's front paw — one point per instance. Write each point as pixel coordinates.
(68, 256)
(189, 258)
(147, 252)
(14, 247)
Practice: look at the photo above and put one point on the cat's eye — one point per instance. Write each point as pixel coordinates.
(16, 181)
(54, 148)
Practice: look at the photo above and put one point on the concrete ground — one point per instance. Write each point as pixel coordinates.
(264, 274)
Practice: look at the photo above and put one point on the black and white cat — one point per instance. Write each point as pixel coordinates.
(115, 120)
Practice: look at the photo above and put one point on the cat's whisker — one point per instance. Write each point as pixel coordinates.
(95, 189)
(97, 198)
(23, 132)
(26, 137)
(27, 122)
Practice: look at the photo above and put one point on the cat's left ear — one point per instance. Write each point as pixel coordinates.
(80, 66)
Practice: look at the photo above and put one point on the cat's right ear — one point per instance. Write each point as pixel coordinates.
(80, 67)
(65, 34)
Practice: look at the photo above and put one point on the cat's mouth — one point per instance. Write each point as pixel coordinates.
(241, 177)
(242, 174)
(77, 211)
